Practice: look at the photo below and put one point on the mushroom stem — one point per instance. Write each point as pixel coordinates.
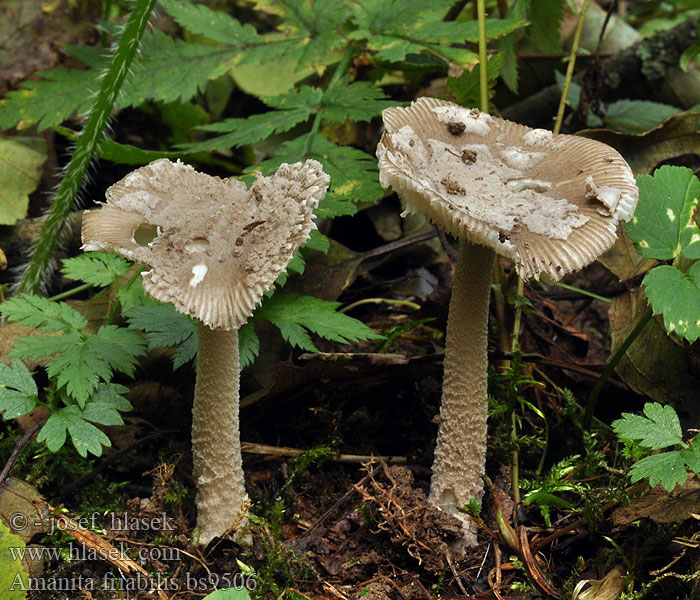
(461, 442)
(216, 443)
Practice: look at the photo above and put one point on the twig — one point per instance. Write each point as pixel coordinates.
(18, 450)
(252, 448)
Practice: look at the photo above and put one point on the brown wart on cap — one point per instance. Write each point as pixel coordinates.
(213, 248)
(551, 203)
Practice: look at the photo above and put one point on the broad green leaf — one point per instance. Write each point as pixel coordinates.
(545, 18)
(637, 116)
(50, 100)
(40, 312)
(662, 226)
(667, 468)
(676, 295)
(97, 268)
(21, 160)
(296, 316)
(14, 580)
(658, 428)
(18, 392)
(74, 421)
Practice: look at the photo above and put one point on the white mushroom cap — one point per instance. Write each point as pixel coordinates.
(549, 202)
(219, 246)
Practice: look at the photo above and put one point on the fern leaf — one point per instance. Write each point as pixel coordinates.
(96, 268)
(357, 101)
(49, 101)
(171, 70)
(40, 312)
(296, 316)
(240, 132)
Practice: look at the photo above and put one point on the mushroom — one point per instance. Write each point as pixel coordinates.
(214, 248)
(550, 203)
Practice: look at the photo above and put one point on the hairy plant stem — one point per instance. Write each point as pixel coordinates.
(570, 66)
(33, 276)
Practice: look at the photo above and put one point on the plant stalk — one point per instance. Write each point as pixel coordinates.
(570, 67)
(40, 260)
(483, 60)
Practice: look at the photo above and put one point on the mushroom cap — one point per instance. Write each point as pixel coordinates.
(216, 246)
(549, 202)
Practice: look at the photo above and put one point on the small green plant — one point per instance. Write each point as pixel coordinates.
(664, 227)
(658, 429)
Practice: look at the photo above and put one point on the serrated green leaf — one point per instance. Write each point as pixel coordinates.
(395, 28)
(658, 428)
(359, 101)
(296, 315)
(21, 160)
(676, 295)
(162, 323)
(239, 132)
(171, 70)
(354, 175)
(96, 268)
(667, 468)
(248, 344)
(73, 420)
(40, 312)
(466, 89)
(311, 27)
(213, 25)
(79, 370)
(45, 345)
(662, 226)
(50, 100)
(317, 241)
(637, 116)
(118, 347)
(691, 455)
(18, 392)
(164, 327)
(509, 72)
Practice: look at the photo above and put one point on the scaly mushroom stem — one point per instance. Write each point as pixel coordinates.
(461, 442)
(216, 442)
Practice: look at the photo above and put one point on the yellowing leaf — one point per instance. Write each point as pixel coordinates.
(20, 171)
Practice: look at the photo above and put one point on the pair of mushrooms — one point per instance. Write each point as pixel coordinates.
(550, 203)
